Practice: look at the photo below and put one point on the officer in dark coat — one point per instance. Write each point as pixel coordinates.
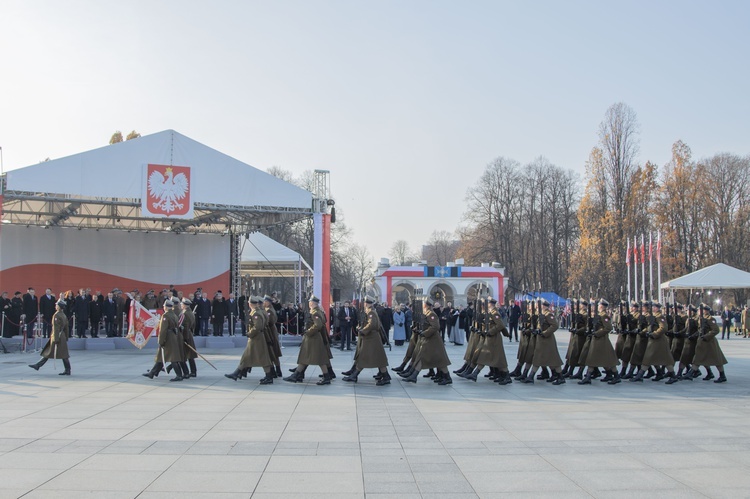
(272, 335)
(57, 345)
(188, 326)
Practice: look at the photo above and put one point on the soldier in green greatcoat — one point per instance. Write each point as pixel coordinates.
(313, 350)
(170, 350)
(431, 349)
(370, 352)
(57, 345)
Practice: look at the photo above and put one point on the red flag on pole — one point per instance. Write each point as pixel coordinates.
(658, 246)
(650, 248)
(643, 251)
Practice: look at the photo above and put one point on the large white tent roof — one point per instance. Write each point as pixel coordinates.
(102, 188)
(718, 276)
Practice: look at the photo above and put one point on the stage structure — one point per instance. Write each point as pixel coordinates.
(157, 210)
(453, 282)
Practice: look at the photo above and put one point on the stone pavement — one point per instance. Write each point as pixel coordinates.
(108, 432)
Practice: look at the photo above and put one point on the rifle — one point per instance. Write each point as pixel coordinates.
(417, 316)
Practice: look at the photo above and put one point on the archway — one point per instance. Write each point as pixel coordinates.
(443, 292)
(403, 292)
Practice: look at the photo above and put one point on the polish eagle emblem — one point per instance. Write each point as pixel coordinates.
(167, 190)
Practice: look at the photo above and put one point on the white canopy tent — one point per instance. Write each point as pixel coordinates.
(262, 257)
(717, 276)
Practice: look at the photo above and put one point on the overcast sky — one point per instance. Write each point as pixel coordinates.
(405, 102)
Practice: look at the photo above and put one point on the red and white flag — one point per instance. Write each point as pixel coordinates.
(142, 324)
(650, 248)
(658, 246)
(643, 249)
(627, 254)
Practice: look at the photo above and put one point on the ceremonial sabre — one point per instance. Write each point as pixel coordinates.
(199, 355)
(54, 358)
(163, 362)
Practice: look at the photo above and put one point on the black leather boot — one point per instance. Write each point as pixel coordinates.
(631, 373)
(710, 374)
(326, 380)
(579, 374)
(721, 379)
(616, 378)
(659, 374)
(177, 372)
(438, 376)
(597, 373)
(154, 371)
(277, 372)
(517, 371)
(565, 369)
(331, 373)
(544, 374)
(638, 377)
(673, 378)
(267, 379)
(623, 370)
(193, 368)
(409, 371)
(397, 369)
(66, 365)
(445, 379)
(39, 364)
(553, 377)
(504, 379)
(412, 378)
(651, 373)
(296, 377)
(235, 375)
(559, 380)
(587, 379)
(385, 379)
(688, 376)
(528, 378)
(608, 375)
(472, 375)
(462, 368)
(430, 374)
(350, 371)
(352, 378)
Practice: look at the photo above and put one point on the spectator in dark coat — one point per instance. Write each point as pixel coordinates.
(81, 311)
(109, 310)
(30, 311)
(218, 313)
(515, 316)
(47, 309)
(95, 314)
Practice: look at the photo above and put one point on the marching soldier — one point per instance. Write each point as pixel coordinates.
(370, 352)
(409, 356)
(273, 335)
(313, 349)
(657, 352)
(690, 334)
(631, 325)
(471, 346)
(169, 348)
(545, 350)
(678, 337)
(577, 341)
(641, 340)
(490, 350)
(575, 344)
(256, 352)
(525, 351)
(431, 349)
(601, 353)
(707, 350)
(188, 325)
(57, 344)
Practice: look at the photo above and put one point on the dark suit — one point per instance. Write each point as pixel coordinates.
(81, 309)
(347, 320)
(218, 312)
(95, 316)
(515, 316)
(233, 311)
(109, 309)
(726, 323)
(47, 309)
(30, 310)
(203, 314)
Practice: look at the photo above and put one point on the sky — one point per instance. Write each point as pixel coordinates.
(404, 102)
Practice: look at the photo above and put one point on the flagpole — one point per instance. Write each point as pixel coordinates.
(643, 267)
(635, 263)
(627, 262)
(658, 264)
(650, 268)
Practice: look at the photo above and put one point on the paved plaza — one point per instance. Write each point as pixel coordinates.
(108, 432)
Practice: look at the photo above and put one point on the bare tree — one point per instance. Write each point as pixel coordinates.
(400, 253)
(440, 248)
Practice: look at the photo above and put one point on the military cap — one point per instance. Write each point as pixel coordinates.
(370, 300)
(604, 302)
(545, 303)
(656, 304)
(175, 300)
(645, 303)
(314, 298)
(492, 300)
(267, 298)
(429, 302)
(692, 308)
(186, 301)
(680, 306)
(706, 306)
(635, 304)
(623, 302)
(256, 299)
(61, 302)
(168, 303)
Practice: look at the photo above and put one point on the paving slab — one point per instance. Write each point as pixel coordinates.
(107, 432)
